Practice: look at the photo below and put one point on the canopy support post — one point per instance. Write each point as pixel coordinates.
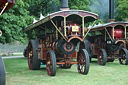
(125, 32)
(105, 34)
(65, 26)
(89, 29)
(58, 30)
(108, 34)
(83, 25)
(6, 4)
(113, 32)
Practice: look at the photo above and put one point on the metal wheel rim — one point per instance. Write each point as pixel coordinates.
(100, 57)
(49, 64)
(123, 58)
(81, 63)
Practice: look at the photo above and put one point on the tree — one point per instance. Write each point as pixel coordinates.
(13, 21)
(44, 7)
(121, 12)
(79, 4)
(48, 6)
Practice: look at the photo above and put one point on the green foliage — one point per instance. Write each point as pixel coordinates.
(121, 10)
(44, 7)
(13, 21)
(93, 23)
(79, 4)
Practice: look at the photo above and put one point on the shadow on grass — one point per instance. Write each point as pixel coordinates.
(60, 71)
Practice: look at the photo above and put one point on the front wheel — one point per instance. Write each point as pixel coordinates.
(123, 56)
(83, 62)
(51, 63)
(102, 57)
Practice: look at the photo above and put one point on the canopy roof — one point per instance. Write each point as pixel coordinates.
(3, 2)
(69, 14)
(110, 24)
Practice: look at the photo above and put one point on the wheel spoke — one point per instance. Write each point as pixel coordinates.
(123, 54)
(51, 63)
(83, 67)
(102, 57)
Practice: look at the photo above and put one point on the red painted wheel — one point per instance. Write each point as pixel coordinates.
(51, 63)
(102, 57)
(30, 56)
(83, 62)
(124, 56)
(33, 61)
(2, 72)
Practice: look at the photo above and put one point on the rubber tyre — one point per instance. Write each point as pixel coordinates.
(35, 65)
(51, 67)
(102, 55)
(83, 62)
(2, 72)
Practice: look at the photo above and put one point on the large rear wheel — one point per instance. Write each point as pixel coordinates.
(123, 56)
(2, 72)
(102, 57)
(83, 62)
(51, 63)
(32, 55)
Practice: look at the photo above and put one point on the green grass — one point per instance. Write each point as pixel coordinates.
(17, 73)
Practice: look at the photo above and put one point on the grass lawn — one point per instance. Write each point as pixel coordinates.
(17, 73)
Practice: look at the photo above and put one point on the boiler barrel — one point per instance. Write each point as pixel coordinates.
(63, 47)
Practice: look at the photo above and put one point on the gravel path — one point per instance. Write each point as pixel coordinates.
(12, 57)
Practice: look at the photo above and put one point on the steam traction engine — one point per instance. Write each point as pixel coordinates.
(110, 42)
(4, 6)
(58, 36)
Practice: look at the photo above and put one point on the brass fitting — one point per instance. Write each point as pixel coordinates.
(0, 33)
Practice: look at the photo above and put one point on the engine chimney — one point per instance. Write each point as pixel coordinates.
(111, 10)
(64, 5)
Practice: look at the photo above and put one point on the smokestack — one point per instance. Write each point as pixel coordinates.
(64, 5)
(111, 10)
